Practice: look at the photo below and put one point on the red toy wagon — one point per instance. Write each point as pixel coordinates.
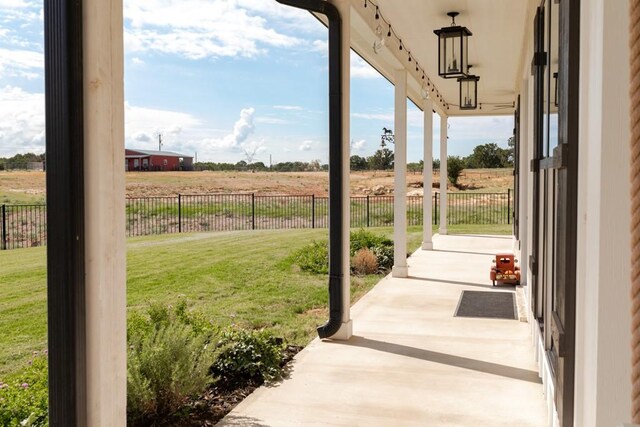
(505, 270)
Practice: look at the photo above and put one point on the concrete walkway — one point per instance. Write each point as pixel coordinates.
(411, 362)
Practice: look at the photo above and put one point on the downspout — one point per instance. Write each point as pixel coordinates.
(336, 251)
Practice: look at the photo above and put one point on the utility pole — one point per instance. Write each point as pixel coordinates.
(196, 157)
(159, 141)
(269, 161)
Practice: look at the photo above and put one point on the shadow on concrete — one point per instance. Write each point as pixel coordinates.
(464, 252)
(453, 282)
(241, 421)
(492, 236)
(445, 359)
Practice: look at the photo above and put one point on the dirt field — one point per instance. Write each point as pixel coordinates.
(28, 187)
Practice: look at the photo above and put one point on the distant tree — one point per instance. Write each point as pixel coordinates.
(488, 156)
(382, 159)
(358, 163)
(415, 167)
(435, 164)
(455, 165)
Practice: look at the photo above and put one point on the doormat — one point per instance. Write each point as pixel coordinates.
(490, 305)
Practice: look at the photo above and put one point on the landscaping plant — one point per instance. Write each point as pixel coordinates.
(247, 357)
(168, 362)
(24, 395)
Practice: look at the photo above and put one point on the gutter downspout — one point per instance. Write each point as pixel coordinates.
(336, 251)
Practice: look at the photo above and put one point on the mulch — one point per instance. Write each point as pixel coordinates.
(217, 401)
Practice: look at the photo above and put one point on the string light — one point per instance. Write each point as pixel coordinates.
(380, 42)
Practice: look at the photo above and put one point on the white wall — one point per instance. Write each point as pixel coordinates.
(603, 387)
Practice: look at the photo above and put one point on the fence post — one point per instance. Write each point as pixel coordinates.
(367, 211)
(313, 211)
(508, 206)
(435, 215)
(179, 213)
(4, 227)
(253, 211)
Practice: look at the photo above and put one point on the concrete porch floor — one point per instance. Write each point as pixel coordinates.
(410, 361)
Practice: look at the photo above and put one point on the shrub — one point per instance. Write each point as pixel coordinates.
(366, 239)
(313, 258)
(455, 166)
(169, 361)
(245, 356)
(364, 262)
(24, 395)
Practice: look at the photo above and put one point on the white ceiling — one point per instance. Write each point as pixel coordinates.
(496, 48)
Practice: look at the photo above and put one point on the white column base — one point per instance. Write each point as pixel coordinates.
(345, 332)
(442, 231)
(427, 246)
(400, 271)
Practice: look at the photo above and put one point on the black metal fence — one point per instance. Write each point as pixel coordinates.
(25, 225)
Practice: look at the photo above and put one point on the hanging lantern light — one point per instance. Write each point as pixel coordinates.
(453, 49)
(468, 92)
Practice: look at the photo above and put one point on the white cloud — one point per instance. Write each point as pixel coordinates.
(12, 4)
(137, 61)
(271, 120)
(198, 29)
(21, 121)
(374, 116)
(358, 145)
(361, 69)
(320, 46)
(20, 63)
(242, 129)
(288, 107)
(306, 145)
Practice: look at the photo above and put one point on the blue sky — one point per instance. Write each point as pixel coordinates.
(222, 78)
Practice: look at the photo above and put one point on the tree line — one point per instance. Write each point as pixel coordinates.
(20, 161)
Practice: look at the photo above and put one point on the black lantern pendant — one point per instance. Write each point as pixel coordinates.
(468, 92)
(453, 49)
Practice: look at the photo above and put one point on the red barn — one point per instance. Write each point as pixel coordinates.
(148, 160)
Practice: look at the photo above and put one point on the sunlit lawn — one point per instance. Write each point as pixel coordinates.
(241, 277)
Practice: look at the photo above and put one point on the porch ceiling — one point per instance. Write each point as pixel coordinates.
(496, 49)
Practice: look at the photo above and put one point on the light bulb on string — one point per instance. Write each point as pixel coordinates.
(377, 14)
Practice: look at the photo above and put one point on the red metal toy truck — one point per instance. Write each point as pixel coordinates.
(505, 270)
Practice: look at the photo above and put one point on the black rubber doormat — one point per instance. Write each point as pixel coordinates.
(491, 305)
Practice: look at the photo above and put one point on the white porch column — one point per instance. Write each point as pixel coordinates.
(104, 192)
(346, 330)
(427, 172)
(443, 174)
(603, 304)
(400, 268)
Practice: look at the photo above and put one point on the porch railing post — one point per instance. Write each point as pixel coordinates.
(4, 227)
(253, 211)
(508, 206)
(179, 213)
(367, 211)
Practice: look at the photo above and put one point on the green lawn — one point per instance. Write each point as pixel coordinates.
(240, 277)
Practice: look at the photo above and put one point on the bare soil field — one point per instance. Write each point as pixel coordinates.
(29, 187)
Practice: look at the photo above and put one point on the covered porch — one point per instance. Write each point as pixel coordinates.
(410, 361)
(399, 357)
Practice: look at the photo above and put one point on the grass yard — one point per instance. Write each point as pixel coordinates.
(240, 277)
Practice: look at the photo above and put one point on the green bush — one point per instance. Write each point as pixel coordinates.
(168, 362)
(245, 356)
(24, 395)
(314, 257)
